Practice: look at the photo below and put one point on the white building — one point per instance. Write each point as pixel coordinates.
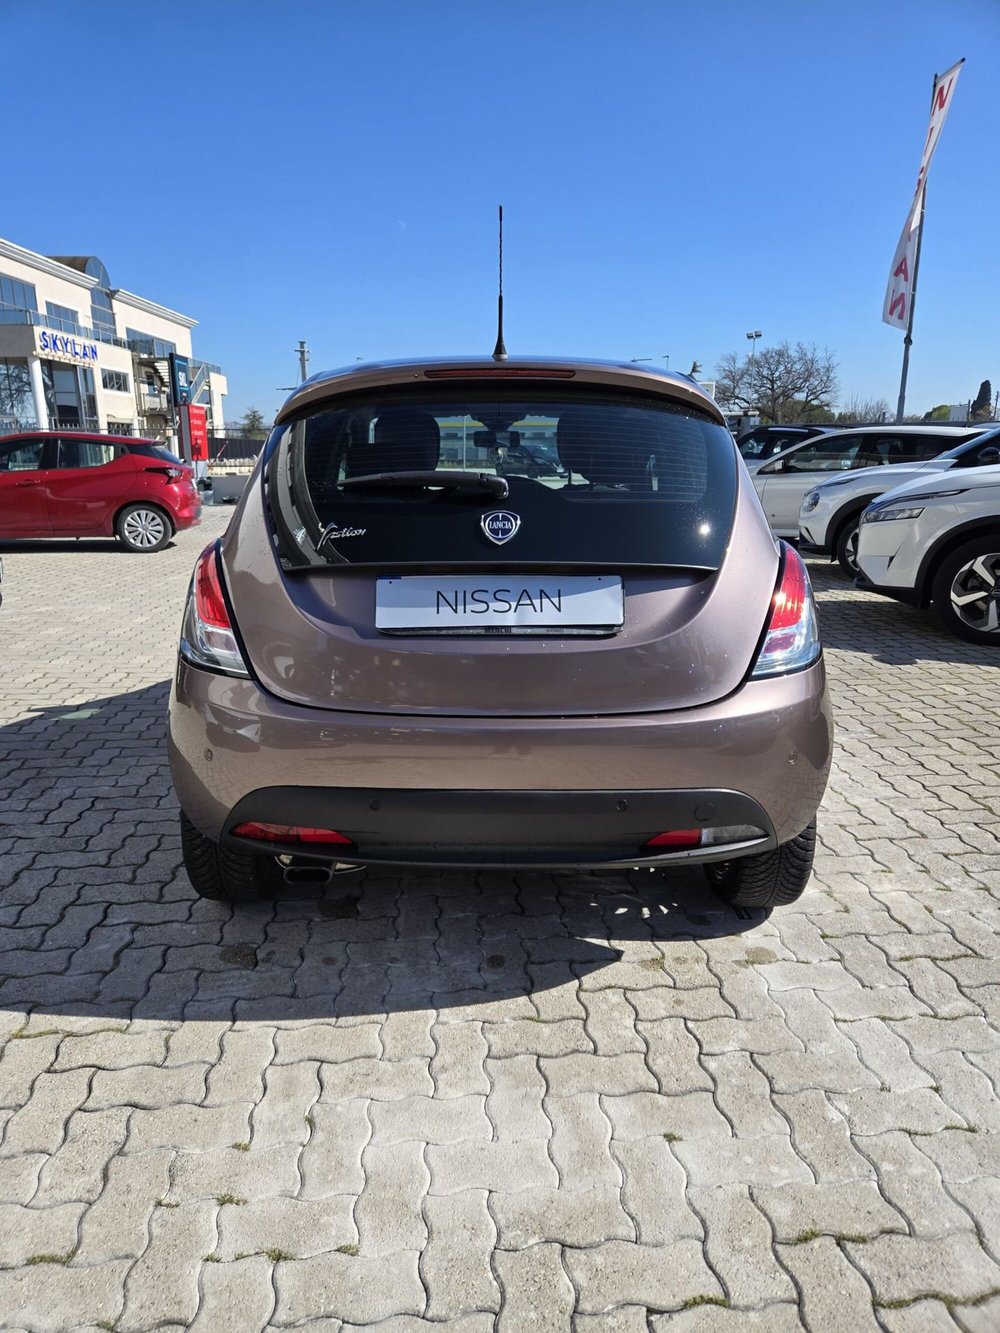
(76, 352)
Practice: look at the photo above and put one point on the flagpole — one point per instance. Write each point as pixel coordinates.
(908, 340)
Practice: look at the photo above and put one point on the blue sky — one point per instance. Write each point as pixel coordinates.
(672, 175)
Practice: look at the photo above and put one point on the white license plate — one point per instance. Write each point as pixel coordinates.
(513, 601)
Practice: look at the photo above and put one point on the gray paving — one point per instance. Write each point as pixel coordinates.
(494, 1102)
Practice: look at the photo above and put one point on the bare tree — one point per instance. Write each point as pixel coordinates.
(859, 411)
(15, 392)
(782, 382)
(732, 382)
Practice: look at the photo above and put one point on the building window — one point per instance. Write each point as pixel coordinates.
(115, 380)
(17, 405)
(62, 318)
(102, 316)
(69, 395)
(18, 295)
(144, 344)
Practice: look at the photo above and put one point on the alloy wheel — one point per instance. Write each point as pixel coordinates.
(851, 550)
(144, 528)
(975, 593)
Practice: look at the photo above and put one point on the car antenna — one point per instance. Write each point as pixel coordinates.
(500, 352)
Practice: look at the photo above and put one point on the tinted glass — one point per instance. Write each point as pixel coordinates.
(158, 451)
(825, 454)
(83, 453)
(21, 457)
(765, 442)
(593, 480)
(966, 452)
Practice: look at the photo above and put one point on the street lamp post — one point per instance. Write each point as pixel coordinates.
(753, 335)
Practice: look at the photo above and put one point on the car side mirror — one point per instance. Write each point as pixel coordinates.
(772, 469)
(989, 454)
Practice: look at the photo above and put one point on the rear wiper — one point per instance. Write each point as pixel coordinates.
(450, 481)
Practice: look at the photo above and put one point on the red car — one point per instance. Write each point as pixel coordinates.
(70, 484)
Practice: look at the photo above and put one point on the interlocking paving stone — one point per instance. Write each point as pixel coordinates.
(499, 1101)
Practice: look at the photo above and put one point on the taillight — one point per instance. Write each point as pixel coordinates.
(291, 833)
(207, 637)
(792, 638)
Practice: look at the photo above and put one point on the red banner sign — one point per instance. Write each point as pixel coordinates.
(197, 423)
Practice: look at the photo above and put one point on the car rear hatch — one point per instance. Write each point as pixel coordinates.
(399, 553)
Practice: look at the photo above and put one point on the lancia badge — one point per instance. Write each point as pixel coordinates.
(500, 526)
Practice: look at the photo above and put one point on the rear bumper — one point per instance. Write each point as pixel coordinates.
(769, 743)
(596, 829)
(185, 509)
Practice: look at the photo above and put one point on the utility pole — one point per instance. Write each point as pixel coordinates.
(303, 351)
(753, 335)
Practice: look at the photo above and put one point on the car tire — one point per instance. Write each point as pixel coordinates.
(974, 567)
(770, 879)
(226, 876)
(846, 549)
(143, 528)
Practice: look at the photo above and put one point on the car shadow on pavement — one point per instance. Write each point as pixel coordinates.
(97, 918)
(67, 546)
(884, 630)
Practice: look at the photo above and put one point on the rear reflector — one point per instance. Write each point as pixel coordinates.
(721, 835)
(678, 837)
(290, 833)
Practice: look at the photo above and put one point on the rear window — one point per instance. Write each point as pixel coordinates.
(151, 450)
(590, 479)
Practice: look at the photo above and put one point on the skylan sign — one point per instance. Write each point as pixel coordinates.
(64, 347)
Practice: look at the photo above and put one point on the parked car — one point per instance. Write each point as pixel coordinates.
(782, 482)
(831, 512)
(71, 484)
(531, 460)
(390, 663)
(936, 542)
(764, 442)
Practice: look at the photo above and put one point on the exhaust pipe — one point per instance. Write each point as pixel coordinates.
(299, 870)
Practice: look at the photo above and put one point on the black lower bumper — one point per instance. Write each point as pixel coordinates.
(811, 548)
(907, 596)
(571, 829)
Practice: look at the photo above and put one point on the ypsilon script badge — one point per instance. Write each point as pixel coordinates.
(500, 526)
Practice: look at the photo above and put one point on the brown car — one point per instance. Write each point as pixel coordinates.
(415, 645)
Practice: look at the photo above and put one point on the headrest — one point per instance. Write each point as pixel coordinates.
(405, 441)
(606, 445)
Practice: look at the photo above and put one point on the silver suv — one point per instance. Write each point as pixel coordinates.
(782, 482)
(831, 512)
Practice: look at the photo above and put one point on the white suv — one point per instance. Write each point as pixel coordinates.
(831, 511)
(782, 482)
(936, 542)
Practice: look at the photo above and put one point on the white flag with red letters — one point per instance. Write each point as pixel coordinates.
(899, 291)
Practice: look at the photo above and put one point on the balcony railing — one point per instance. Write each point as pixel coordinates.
(16, 315)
